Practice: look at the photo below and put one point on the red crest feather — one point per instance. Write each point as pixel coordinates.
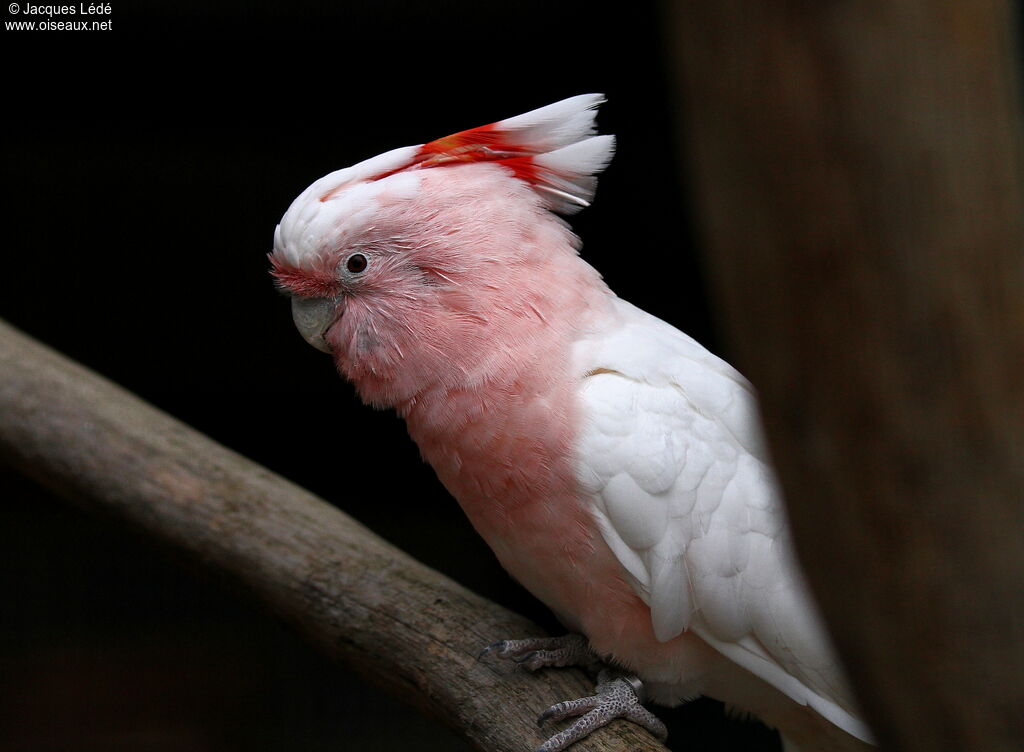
(552, 148)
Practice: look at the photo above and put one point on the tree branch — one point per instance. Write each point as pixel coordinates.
(858, 167)
(363, 602)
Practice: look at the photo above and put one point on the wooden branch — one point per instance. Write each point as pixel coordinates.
(858, 168)
(363, 602)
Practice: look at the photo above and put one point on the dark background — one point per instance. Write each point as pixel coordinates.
(145, 169)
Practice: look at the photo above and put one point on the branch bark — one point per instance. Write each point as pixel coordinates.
(363, 602)
(858, 168)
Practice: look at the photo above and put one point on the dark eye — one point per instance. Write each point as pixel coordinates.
(356, 263)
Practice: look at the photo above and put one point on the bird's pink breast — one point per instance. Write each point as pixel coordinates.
(506, 457)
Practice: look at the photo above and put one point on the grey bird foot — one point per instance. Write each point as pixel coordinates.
(538, 652)
(617, 697)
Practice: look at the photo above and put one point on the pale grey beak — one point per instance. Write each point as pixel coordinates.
(313, 317)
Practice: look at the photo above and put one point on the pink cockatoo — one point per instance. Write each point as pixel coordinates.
(613, 464)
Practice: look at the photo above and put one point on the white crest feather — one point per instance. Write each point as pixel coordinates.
(566, 152)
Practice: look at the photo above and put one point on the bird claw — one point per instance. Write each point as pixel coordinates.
(538, 652)
(616, 697)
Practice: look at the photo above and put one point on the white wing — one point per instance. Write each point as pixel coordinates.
(672, 453)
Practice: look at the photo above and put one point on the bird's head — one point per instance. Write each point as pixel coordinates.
(410, 266)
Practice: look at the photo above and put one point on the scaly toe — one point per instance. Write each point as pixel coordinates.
(538, 652)
(615, 698)
(580, 729)
(567, 709)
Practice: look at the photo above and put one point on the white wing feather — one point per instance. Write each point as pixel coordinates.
(673, 456)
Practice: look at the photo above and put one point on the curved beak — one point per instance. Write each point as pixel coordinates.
(313, 317)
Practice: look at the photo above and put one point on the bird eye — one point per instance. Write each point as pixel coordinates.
(356, 263)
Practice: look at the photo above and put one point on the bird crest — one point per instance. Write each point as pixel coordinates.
(552, 148)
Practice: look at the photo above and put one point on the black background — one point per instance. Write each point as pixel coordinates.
(145, 169)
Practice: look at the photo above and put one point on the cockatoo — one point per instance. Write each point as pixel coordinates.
(615, 466)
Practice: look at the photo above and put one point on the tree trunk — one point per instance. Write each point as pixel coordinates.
(858, 173)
